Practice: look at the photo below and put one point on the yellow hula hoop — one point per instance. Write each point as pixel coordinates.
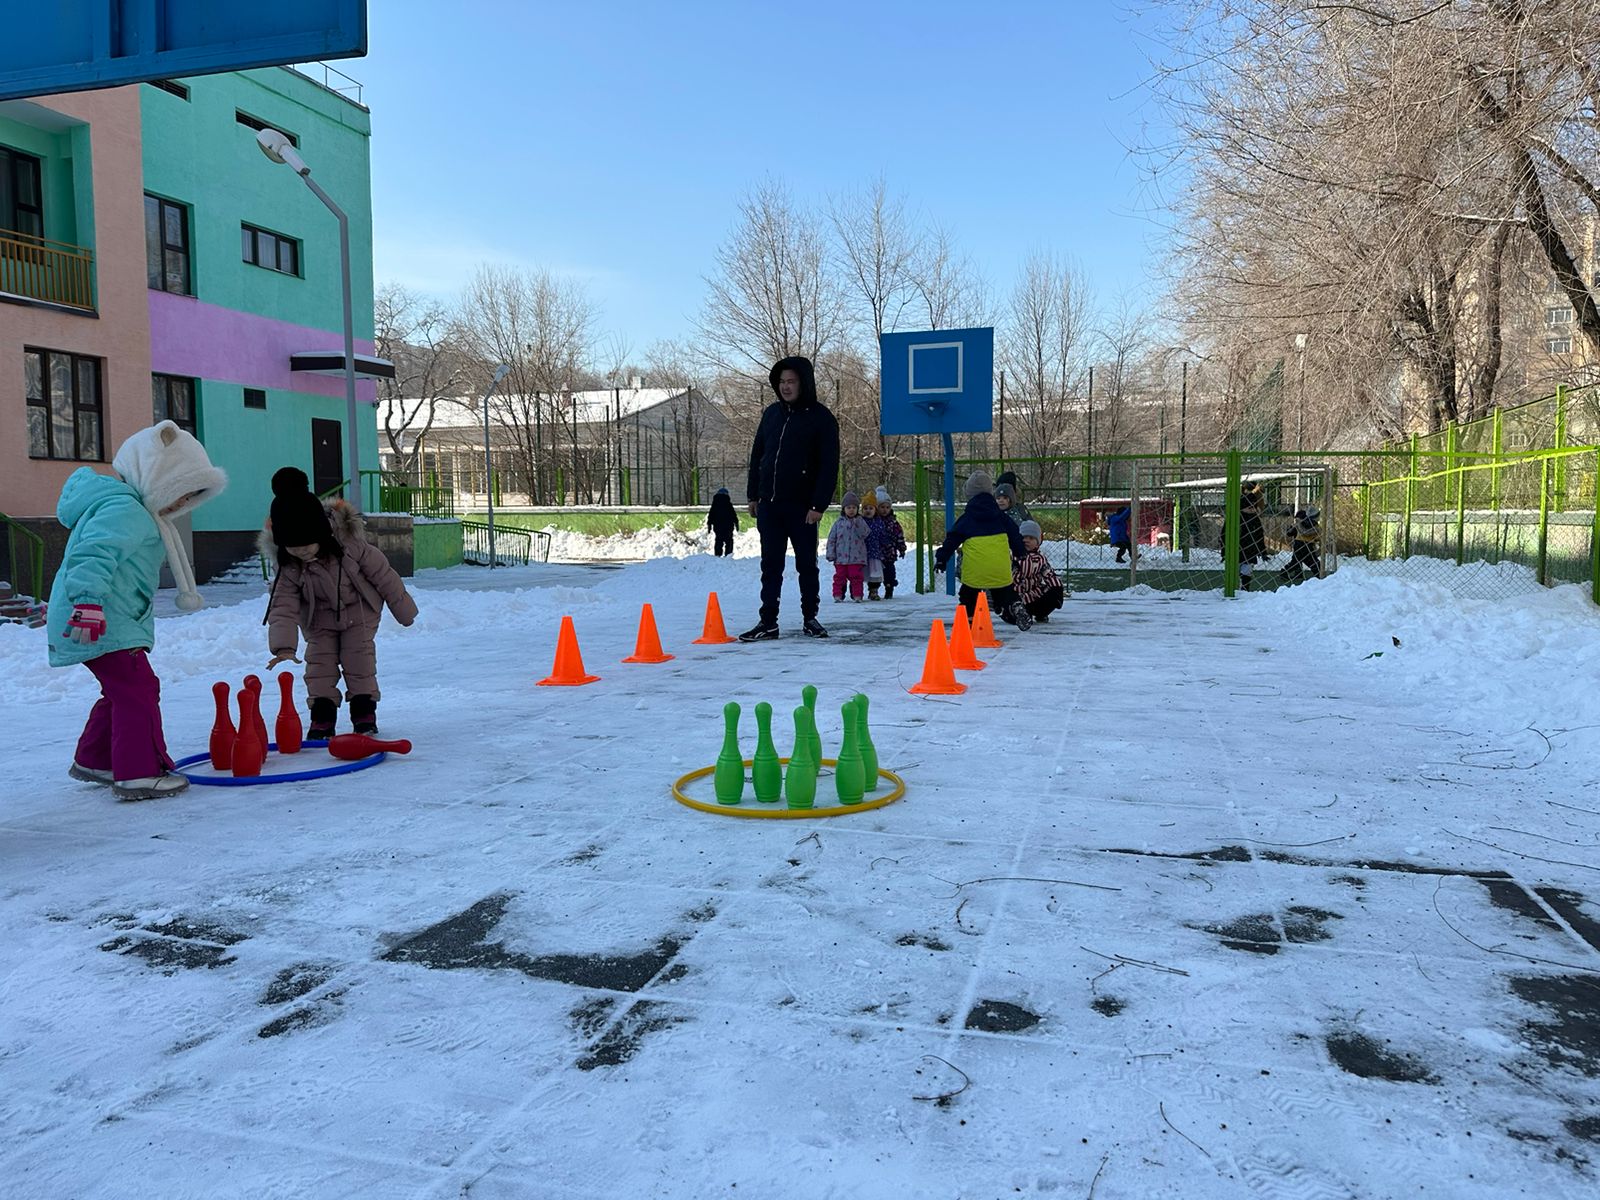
(779, 812)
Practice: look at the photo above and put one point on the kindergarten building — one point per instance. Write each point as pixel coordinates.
(155, 264)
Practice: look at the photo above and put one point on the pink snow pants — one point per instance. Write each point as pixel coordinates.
(123, 734)
(851, 573)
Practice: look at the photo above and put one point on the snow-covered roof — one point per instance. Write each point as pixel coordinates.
(593, 407)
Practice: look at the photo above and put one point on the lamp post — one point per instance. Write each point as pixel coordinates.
(500, 373)
(1300, 413)
(280, 149)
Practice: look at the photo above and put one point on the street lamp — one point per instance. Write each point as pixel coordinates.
(500, 373)
(280, 149)
(1300, 415)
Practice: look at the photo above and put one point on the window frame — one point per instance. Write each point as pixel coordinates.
(1555, 317)
(46, 401)
(171, 86)
(13, 162)
(255, 124)
(166, 248)
(262, 392)
(279, 240)
(163, 412)
(1558, 345)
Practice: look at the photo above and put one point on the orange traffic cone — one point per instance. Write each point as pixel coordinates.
(568, 671)
(962, 657)
(938, 679)
(648, 648)
(716, 634)
(983, 626)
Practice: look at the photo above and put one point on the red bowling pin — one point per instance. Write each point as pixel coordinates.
(288, 728)
(359, 745)
(249, 749)
(222, 730)
(253, 682)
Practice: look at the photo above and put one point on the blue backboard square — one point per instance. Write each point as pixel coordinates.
(935, 368)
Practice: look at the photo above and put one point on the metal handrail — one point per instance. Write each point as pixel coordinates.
(41, 269)
(510, 543)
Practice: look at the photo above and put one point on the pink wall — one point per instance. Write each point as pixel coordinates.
(119, 335)
(190, 337)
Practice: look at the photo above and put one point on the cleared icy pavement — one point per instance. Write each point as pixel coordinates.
(1178, 904)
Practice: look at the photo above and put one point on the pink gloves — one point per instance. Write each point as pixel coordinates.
(87, 624)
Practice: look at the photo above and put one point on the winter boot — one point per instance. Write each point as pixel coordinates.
(89, 774)
(888, 591)
(364, 714)
(814, 628)
(872, 591)
(763, 632)
(153, 788)
(324, 712)
(1020, 617)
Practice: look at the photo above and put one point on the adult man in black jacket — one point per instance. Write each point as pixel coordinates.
(794, 466)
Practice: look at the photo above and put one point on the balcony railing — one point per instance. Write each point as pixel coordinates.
(40, 269)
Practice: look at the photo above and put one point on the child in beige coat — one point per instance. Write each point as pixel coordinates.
(332, 586)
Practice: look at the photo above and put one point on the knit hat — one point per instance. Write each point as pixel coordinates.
(1006, 490)
(851, 500)
(722, 491)
(881, 495)
(977, 482)
(1009, 478)
(1030, 529)
(298, 518)
(169, 469)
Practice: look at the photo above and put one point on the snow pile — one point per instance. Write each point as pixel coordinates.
(644, 545)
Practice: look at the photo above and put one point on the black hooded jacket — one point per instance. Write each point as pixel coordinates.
(794, 459)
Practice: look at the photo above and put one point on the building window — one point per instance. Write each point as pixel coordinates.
(166, 246)
(270, 250)
(257, 124)
(21, 197)
(172, 399)
(64, 413)
(171, 86)
(255, 398)
(1558, 316)
(1558, 345)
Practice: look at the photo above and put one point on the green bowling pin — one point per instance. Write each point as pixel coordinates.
(809, 695)
(869, 752)
(767, 772)
(729, 776)
(800, 783)
(847, 776)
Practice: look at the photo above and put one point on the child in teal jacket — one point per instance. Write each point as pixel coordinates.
(102, 603)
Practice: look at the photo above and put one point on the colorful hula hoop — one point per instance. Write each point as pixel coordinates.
(781, 813)
(338, 768)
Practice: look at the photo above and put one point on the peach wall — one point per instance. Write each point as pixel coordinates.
(121, 333)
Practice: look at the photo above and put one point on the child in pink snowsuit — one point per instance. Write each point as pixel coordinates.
(847, 548)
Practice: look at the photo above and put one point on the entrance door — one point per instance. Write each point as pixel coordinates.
(327, 455)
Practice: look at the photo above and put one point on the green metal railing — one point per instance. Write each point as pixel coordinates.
(511, 545)
(34, 548)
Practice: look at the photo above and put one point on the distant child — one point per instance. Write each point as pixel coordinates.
(1252, 533)
(1006, 497)
(722, 521)
(988, 542)
(886, 544)
(332, 585)
(1117, 528)
(1038, 586)
(102, 602)
(1305, 541)
(1017, 510)
(847, 548)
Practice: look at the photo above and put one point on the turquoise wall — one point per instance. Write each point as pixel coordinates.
(68, 200)
(197, 154)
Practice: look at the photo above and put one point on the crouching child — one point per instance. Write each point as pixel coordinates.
(1038, 586)
(332, 586)
(988, 541)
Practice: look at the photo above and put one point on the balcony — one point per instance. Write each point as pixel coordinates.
(36, 268)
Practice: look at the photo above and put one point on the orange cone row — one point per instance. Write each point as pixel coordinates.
(945, 658)
(568, 670)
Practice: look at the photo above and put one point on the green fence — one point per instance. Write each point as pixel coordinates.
(1479, 522)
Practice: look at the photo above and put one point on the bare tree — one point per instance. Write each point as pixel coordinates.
(773, 291)
(540, 327)
(1046, 328)
(417, 335)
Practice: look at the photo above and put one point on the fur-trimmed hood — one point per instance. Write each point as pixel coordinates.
(347, 524)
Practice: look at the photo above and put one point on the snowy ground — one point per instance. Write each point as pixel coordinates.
(1188, 898)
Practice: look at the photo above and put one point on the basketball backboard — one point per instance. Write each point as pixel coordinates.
(76, 45)
(939, 381)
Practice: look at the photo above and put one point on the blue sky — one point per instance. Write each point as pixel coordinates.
(612, 139)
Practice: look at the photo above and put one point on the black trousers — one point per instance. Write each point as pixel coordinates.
(724, 542)
(780, 526)
(1045, 604)
(889, 577)
(1000, 600)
